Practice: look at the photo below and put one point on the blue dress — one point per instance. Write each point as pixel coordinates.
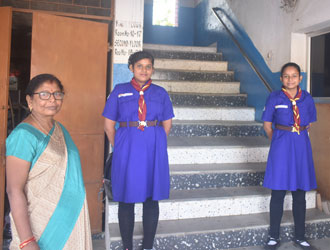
(290, 161)
(140, 168)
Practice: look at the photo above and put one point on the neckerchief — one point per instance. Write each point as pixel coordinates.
(142, 112)
(295, 109)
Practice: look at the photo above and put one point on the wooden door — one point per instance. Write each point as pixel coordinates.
(320, 135)
(76, 52)
(5, 43)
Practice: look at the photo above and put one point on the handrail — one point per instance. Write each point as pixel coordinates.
(269, 88)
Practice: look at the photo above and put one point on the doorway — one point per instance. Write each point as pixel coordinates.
(19, 75)
(76, 51)
(320, 66)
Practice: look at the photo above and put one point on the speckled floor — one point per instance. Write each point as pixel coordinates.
(322, 244)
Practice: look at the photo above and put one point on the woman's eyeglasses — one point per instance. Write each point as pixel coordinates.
(44, 95)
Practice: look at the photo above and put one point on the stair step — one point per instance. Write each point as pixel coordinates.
(180, 75)
(211, 100)
(216, 128)
(214, 113)
(199, 87)
(208, 150)
(183, 52)
(224, 232)
(318, 244)
(178, 48)
(196, 176)
(180, 64)
(188, 204)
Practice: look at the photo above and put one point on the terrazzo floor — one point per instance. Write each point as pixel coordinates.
(322, 244)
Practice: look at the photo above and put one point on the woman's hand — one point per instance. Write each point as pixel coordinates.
(268, 129)
(167, 125)
(17, 171)
(32, 246)
(109, 128)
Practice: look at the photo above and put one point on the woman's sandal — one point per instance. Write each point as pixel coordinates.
(303, 244)
(272, 243)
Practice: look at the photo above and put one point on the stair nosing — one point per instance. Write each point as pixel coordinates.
(216, 122)
(209, 94)
(180, 48)
(218, 168)
(217, 223)
(196, 71)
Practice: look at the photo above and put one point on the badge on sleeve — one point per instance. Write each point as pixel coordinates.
(281, 106)
(124, 94)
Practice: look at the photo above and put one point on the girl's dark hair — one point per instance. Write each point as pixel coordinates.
(137, 56)
(290, 64)
(38, 80)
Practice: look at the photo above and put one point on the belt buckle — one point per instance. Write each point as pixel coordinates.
(143, 123)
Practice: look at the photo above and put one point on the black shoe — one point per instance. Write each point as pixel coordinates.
(303, 244)
(272, 244)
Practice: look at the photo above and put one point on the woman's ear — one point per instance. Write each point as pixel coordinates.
(131, 68)
(300, 78)
(29, 101)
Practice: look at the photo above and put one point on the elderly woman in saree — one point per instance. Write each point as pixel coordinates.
(44, 178)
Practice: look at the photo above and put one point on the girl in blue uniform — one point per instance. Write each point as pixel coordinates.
(140, 169)
(290, 161)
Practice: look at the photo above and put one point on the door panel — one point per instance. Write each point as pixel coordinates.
(320, 134)
(76, 52)
(5, 44)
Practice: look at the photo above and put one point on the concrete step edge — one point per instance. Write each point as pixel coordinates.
(228, 168)
(149, 46)
(220, 224)
(216, 122)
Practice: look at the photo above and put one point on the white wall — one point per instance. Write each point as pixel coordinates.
(311, 16)
(268, 26)
(282, 36)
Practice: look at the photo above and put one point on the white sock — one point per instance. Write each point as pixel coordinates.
(272, 242)
(305, 244)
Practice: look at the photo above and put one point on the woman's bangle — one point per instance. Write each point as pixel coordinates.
(26, 242)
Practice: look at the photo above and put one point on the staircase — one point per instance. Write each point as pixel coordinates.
(217, 155)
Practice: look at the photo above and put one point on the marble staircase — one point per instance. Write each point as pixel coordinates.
(217, 154)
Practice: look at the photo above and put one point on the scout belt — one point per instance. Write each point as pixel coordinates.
(289, 128)
(143, 123)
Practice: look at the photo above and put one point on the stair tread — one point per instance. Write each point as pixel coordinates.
(193, 82)
(207, 94)
(195, 71)
(188, 60)
(177, 169)
(180, 48)
(212, 107)
(216, 193)
(225, 141)
(221, 223)
(217, 122)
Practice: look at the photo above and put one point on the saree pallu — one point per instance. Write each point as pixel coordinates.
(56, 197)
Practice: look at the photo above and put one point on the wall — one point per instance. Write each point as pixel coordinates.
(311, 16)
(181, 35)
(210, 30)
(87, 7)
(128, 35)
(269, 30)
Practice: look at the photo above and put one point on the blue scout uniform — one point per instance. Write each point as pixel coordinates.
(290, 161)
(140, 166)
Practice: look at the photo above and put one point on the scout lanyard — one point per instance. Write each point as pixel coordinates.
(295, 109)
(142, 111)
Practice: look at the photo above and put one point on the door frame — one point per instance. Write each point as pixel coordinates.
(5, 44)
(3, 126)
